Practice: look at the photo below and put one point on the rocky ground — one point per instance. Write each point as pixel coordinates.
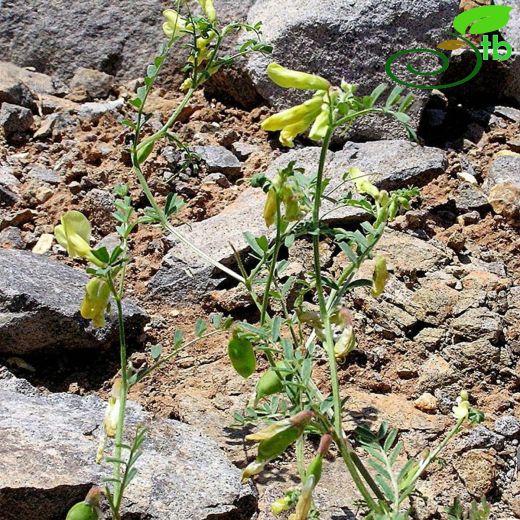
(448, 319)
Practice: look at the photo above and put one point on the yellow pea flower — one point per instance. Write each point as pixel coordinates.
(280, 505)
(209, 9)
(461, 411)
(175, 24)
(95, 302)
(380, 276)
(288, 78)
(74, 235)
(345, 344)
(293, 115)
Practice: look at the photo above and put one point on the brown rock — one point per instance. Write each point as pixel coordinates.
(426, 403)
(477, 468)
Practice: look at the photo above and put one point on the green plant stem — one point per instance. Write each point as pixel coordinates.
(329, 340)
(118, 441)
(272, 267)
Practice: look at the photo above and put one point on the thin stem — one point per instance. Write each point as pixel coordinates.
(272, 267)
(118, 441)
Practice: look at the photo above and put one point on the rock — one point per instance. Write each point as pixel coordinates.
(43, 194)
(44, 244)
(19, 218)
(98, 206)
(426, 403)
(429, 337)
(60, 37)
(218, 178)
(180, 474)
(480, 437)
(8, 196)
(89, 84)
(510, 113)
(508, 426)
(243, 149)
(22, 87)
(43, 174)
(478, 355)
(184, 274)
(435, 373)
(15, 119)
(504, 169)
(11, 238)
(433, 302)
(309, 36)
(218, 160)
(95, 110)
(505, 200)
(39, 307)
(477, 324)
(468, 197)
(477, 469)
(511, 31)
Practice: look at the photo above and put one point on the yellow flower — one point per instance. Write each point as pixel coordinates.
(461, 411)
(288, 78)
(175, 25)
(303, 507)
(112, 411)
(280, 505)
(380, 276)
(295, 115)
(74, 235)
(95, 302)
(209, 9)
(345, 344)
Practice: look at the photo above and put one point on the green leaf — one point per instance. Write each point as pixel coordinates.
(200, 327)
(393, 97)
(275, 331)
(376, 93)
(156, 351)
(254, 244)
(178, 339)
(101, 254)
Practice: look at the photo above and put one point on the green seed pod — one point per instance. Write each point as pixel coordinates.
(88, 509)
(268, 384)
(82, 511)
(276, 445)
(380, 276)
(270, 208)
(393, 208)
(144, 150)
(242, 355)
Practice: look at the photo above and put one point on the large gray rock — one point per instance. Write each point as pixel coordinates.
(390, 164)
(49, 443)
(344, 39)
(39, 307)
(60, 36)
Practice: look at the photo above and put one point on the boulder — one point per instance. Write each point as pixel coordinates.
(180, 474)
(88, 84)
(342, 39)
(391, 164)
(39, 308)
(15, 119)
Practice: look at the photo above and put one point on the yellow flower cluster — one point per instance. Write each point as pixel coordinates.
(314, 113)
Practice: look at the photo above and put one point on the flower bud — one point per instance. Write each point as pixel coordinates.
(144, 150)
(380, 276)
(321, 124)
(288, 78)
(95, 301)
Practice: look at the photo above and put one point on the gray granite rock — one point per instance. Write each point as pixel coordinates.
(504, 169)
(507, 425)
(476, 324)
(390, 163)
(15, 119)
(218, 159)
(39, 307)
(43, 174)
(344, 39)
(181, 474)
